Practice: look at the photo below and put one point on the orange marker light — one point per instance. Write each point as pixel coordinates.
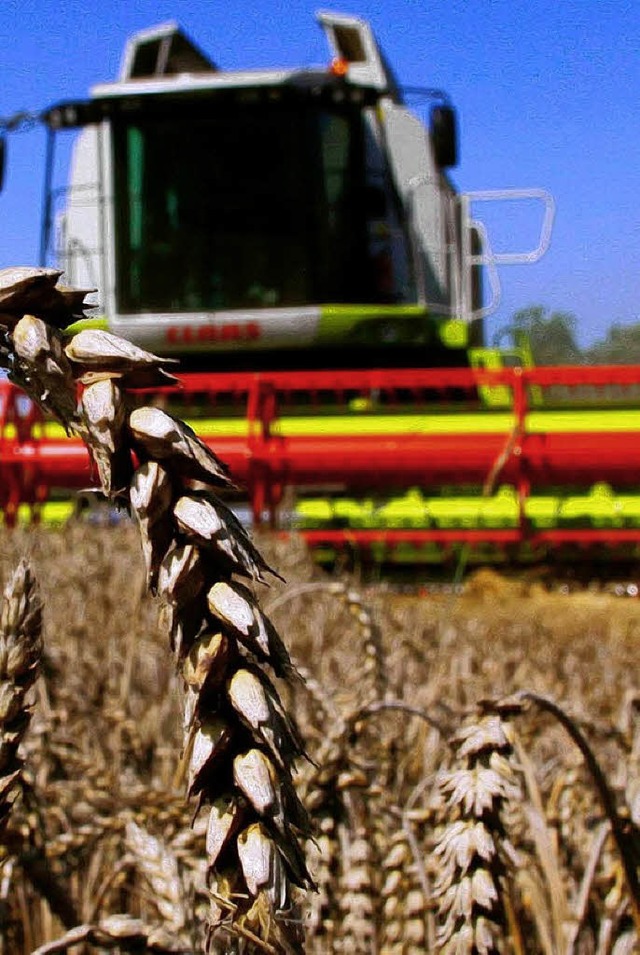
(339, 67)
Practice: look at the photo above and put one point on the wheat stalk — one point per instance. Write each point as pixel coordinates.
(624, 830)
(240, 745)
(374, 674)
(121, 932)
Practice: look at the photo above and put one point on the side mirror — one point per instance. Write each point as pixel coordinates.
(3, 157)
(444, 136)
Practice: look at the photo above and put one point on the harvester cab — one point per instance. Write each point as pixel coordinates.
(287, 218)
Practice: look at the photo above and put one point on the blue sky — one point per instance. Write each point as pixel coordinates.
(548, 95)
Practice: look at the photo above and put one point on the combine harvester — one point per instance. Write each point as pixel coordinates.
(295, 238)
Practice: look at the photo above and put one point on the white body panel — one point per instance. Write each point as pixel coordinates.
(221, 331)
(429, 202)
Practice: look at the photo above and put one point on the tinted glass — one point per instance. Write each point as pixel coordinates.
(243, 205)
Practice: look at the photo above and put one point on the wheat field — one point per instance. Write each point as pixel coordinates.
(451, 809)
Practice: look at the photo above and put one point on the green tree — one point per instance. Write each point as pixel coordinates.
(551, 335)
(620, 346)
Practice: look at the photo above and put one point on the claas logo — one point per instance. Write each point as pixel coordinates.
(184, 334)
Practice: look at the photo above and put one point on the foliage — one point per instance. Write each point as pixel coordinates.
(551, 336)
(621, 346)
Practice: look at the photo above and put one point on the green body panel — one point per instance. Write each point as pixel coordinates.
(51, 513)
(409, 323)
(599, 507)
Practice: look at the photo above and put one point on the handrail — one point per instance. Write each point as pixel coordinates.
(546, 227)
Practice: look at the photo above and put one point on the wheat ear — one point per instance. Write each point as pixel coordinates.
(240, 745)
(159, 868)
(404, 904)
(20, 654)
(20, 651)
(473, 853)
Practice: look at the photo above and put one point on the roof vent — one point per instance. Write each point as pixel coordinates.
(162, 51)
(352, 40)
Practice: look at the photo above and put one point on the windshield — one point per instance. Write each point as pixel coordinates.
(247, 204)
